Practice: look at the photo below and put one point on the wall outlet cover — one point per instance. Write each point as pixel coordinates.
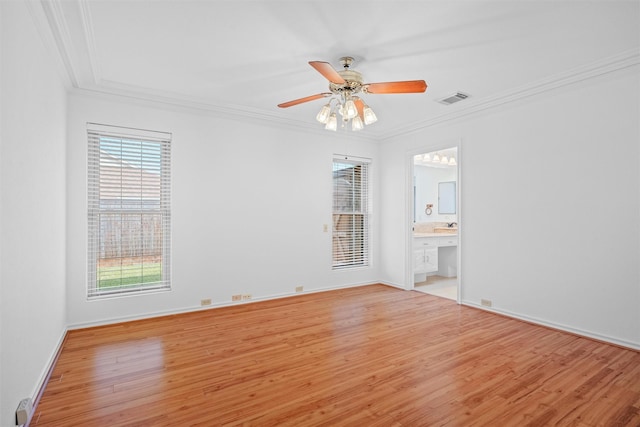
(23, 412)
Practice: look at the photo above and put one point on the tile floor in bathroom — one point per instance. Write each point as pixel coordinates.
(445, 287)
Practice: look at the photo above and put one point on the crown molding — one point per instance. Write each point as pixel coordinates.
(58, 28)
(94, 84)
(601, 67)
(60, 32)
(236, 112)
(48, 37)
(56, 25)
(110, 92)
(89, 40)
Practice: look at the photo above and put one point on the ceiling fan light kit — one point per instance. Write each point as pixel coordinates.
(369, 115)
(344, 86)
(332, 122)
(357, 124)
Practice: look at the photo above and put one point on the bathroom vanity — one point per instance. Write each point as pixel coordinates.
(435, 253)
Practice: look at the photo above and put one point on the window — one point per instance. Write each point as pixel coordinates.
(350, 213)
(129, 211)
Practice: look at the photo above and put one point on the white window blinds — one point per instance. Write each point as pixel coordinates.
(350, 213)
(129, 210)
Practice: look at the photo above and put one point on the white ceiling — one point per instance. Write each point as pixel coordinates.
(245, 57)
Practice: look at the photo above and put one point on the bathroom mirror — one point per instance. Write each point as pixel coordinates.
(447, 197)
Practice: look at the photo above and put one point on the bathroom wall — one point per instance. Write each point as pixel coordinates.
(426, 184)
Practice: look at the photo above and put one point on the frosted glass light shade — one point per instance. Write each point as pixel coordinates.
(436, 158)
(356, 123)
(350, 110)
(369, 115)
(323, 115)
(332, 122)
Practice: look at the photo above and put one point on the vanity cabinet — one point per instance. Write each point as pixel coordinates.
(428, 259)
(425, 255)
(448, 241)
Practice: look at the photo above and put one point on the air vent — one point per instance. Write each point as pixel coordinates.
(452, 99)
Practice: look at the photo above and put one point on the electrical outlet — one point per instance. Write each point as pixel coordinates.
(325, 228)
(299, 288)
(206, 301)
(23, 412)
(236, 297)
(486, 302)
(246, 297)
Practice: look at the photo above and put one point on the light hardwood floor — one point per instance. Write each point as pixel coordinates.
(366, 356)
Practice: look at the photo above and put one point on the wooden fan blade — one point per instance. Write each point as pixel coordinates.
(360, 107)
(409, 86)
(327, 71)
(302, 100)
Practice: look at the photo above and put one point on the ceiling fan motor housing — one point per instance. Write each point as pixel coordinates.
(353, 82)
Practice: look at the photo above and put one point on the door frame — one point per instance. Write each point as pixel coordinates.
(427, 148)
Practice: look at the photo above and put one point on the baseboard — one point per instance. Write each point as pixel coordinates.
(564, 328)
(105, 322)
(42, 384)
(393, 285)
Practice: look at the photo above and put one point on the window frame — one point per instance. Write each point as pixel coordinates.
(356, 230)
(152, 205)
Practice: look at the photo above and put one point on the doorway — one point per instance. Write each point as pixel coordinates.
(435, 215)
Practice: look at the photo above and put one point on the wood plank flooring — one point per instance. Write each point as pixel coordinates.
(366, 356)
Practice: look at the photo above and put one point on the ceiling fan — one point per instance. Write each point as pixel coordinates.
(344, 86)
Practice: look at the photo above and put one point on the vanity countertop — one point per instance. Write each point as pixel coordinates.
(435, 234)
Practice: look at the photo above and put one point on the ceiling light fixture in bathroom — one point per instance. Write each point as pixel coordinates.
(435, 159)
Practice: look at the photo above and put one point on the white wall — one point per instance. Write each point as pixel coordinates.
(32, 251)
(426, 182)
(550, 206)
(2, 37)
(249, 203)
